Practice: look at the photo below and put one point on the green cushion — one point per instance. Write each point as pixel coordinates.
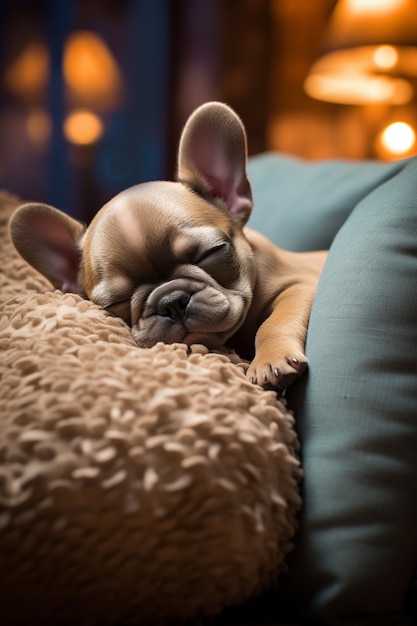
(356, 410)
(303, 204)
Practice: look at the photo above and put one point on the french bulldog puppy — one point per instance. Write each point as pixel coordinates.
(176, 261)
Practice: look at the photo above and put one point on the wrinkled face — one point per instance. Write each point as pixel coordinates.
(174, 266)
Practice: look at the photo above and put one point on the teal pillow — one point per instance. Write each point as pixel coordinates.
(356, 414)
(302, 204)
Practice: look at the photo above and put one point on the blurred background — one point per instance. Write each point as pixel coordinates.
(94, 93)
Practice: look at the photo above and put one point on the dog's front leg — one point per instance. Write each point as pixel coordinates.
(280, 340)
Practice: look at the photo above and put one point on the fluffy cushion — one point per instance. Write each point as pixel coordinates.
(356, 412)
(134, 484)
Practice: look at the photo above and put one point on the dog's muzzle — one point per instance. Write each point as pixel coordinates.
(189, 311)
(174, 305)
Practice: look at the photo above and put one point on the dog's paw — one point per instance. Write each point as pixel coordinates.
(279, 373)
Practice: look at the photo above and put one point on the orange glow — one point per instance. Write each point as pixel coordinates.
(357, 88)
(398, 138)
(28, 75)
(39, 126)
(369, 51)
(374, 6)
(91, 72)
(363, 75)
(83, 127)
(386, 57)
(363, 22)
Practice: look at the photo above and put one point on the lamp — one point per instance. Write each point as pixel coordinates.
(368, 55)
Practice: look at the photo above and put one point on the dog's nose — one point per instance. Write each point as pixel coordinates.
(174, 305)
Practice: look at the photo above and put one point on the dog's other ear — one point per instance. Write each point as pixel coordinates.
(212, 157)
(49, 241)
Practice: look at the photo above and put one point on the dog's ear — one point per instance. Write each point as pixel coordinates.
(212, 157)
(49, 241)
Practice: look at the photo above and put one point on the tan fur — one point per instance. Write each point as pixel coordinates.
(175, 261)
(283, 296)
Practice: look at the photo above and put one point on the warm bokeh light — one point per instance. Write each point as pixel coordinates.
(38, 126)
(83, 127)
(28, 75)
(370, 21)
(369, 51)
(92, 75)
(373, 6)
(386, 57)
(91, 71)
(398, 138)
(356, 88)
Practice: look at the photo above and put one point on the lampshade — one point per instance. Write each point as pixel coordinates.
(368, 54)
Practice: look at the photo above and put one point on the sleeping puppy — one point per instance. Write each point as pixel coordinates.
(176, 262)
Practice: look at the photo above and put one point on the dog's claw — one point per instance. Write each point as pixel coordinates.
(271, 375)
(294, 362)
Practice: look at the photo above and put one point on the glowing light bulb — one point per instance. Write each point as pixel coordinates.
(398, 138)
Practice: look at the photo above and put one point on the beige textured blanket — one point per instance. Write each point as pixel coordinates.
(135, 485)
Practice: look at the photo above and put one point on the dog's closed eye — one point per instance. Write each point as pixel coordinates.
(220, 262)
(211, 254)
